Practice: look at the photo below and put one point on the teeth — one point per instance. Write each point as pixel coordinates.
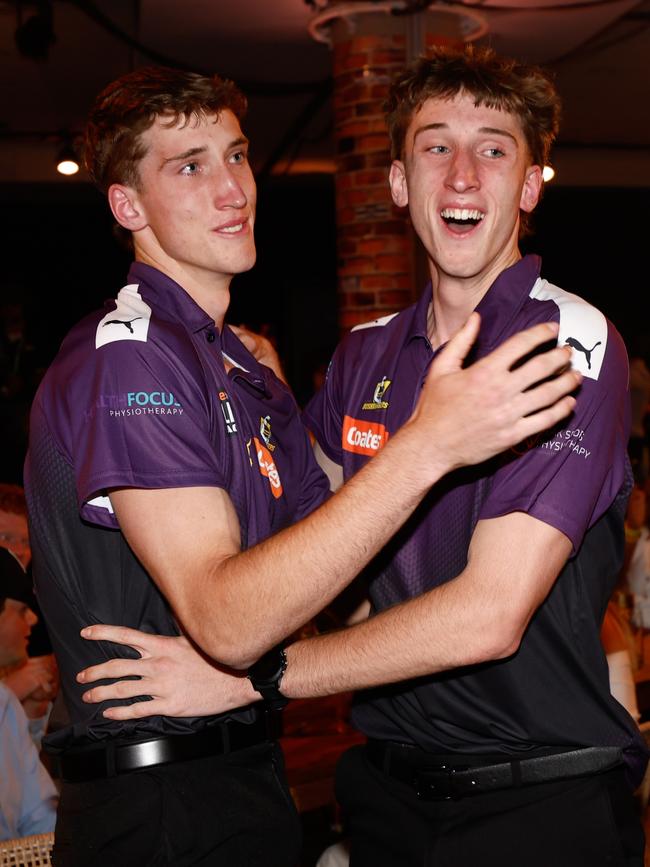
(460, 214)
(232, 229)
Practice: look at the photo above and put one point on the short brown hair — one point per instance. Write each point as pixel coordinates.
(130, 105)
(496, 82)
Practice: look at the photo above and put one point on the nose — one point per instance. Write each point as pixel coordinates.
(30, 618)
(230, 192)
(463, 173)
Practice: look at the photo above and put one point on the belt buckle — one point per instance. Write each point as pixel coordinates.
(436, 784)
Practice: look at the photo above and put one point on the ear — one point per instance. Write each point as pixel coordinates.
(531, 190)
(398, 186)
(126, 207)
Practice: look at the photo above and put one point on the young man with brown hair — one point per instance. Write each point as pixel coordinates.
(493, 737)
(165, 468)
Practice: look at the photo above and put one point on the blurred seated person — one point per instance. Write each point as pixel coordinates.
(31, 675)
(27, 794)
(637, 539)
(621, 658)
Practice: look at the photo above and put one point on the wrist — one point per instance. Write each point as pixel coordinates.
(266, 674)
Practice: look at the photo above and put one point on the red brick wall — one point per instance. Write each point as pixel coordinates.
(375, 245)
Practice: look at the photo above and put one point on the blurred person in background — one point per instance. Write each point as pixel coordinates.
(28, 797)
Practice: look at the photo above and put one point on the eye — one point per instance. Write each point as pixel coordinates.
(438, 149)
(238, 157)
(494, 153)
(190, 169)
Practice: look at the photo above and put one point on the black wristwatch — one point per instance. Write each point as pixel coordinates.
(266, 676)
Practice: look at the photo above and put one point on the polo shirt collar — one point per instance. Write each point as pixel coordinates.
(168, 295)
(498, 308)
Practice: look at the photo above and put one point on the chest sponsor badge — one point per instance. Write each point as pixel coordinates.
(363, 437)
(268, 468)
(228, 414)
(379, 395)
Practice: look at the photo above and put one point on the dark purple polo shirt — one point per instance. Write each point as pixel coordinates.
(554, 691)
(138, 396)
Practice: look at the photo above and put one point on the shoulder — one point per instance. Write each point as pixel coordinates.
(596, 345)
(372, 337)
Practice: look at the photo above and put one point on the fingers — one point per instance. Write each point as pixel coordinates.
(112, 668)
(137, 710)
(522, 344)
(547, 393)
(452, 356)
(115, 691)
(543, 420)
(140, 641)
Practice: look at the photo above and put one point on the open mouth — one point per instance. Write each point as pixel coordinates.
(461, 220)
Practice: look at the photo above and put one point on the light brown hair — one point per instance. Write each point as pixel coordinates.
(494, 81)
(129, 106)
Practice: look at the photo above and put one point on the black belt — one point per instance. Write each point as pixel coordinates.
(458, 776)
(121, 756)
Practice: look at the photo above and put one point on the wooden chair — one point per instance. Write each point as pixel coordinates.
(33, 851)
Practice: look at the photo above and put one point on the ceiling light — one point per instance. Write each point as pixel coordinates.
(67, 162)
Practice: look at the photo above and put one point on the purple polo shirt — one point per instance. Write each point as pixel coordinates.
(138, 396)
(554, 691)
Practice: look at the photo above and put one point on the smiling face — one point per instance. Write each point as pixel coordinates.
(193, 210)
(465, 175)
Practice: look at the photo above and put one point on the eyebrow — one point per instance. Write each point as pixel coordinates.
(186, 155)
(489, 130)
(193, 152)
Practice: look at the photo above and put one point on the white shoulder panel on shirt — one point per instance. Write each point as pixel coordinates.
(384, 320)
(582, 327)
(129, 320)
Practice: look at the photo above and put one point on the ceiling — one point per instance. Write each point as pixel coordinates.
(598, 52)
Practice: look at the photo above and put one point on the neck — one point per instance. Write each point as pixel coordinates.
(454, 298)
(210, 291)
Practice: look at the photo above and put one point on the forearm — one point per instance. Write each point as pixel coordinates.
(270, 590)
(479, 616)
(435, 632)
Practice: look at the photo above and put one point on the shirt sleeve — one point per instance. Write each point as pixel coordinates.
(570, 476)
(324, 413)
(28, 798)
(148, 424)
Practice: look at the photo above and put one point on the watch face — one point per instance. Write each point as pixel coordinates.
(268, 670)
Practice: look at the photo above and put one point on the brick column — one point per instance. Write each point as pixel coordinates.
(376, 246)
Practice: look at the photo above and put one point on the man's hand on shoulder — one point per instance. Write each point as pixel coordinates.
(470, 414)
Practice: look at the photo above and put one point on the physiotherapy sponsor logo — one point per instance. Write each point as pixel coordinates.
(572, 439)
(137, 404)
(378, 401)
(363, 437)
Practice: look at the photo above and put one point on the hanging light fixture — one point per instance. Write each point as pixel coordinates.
(67, 162)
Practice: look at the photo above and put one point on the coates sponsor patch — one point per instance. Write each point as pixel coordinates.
(363, 437)
(268, 468)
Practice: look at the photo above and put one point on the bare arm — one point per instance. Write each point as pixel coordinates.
(479, 616)
(236, 605)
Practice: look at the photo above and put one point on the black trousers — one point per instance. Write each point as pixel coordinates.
(228, 811)
(586, 822)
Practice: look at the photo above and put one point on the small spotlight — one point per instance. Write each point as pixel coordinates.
(548, 173)
(67, 162)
